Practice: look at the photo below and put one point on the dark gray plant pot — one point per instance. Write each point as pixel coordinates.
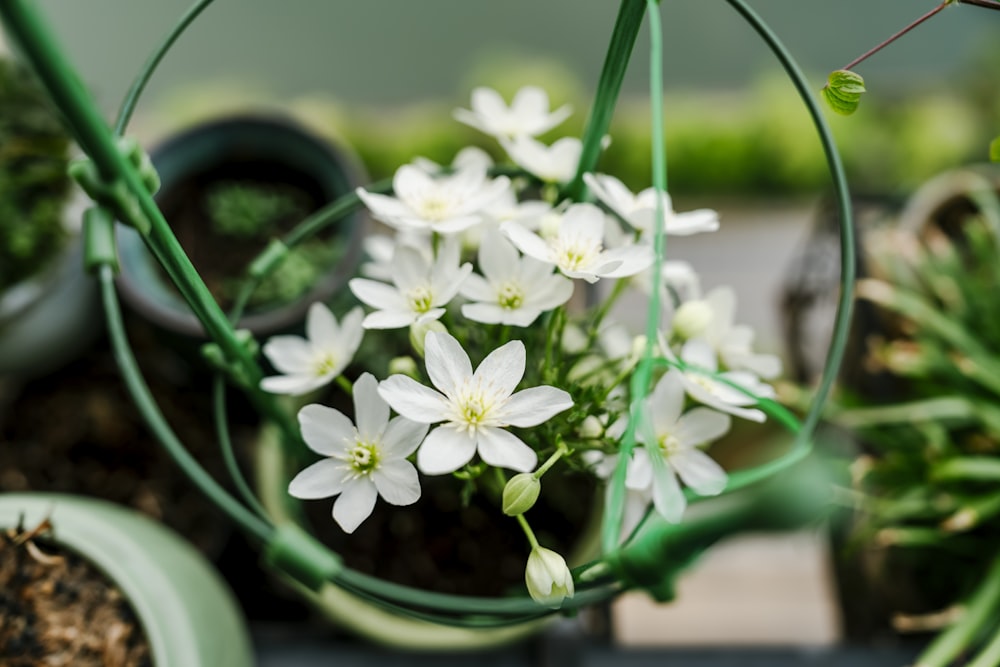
(207, 148)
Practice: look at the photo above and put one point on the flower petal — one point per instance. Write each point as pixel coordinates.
(371, 412)
(402, 437)
(413, 400)
(322, 479)
(700, 426)
(667, 401)
(289, 354)
(503, 449)
(448, 365)
(699, 471)
(355, 504)
(445, 450)
(502, 369)
(293, 385)
(668, 498)
(325, 430)
(526, 241)
(531, 407)
(397, 482)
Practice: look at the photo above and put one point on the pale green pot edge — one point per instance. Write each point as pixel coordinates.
(188, 613)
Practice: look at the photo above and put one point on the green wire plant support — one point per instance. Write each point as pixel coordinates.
(118, 178)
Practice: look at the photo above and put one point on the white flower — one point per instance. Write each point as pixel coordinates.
(312, 362)
(469, 157)
(711, 391)
(553, 164)
(475, 407)
(734, 342)
(548, 579)
(578, 246)
(444, 204)
(361, 462)
(512, 290)
(380, 249)
(674, 439)
(528, 113)
(640, 210)
(420, 289)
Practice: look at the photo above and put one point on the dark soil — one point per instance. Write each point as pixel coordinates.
(77, 431)
(57, 609)
(437, 544)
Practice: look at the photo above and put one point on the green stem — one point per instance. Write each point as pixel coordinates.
(980, 608)
(146, 404)
(532, 540)
(226, 446)
(626, 30)
(139, 84)
(561, 451)
(604, 309)
(990, 655)
(345, 384)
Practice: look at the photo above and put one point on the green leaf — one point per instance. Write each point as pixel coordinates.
(995, 150)
(843, 91)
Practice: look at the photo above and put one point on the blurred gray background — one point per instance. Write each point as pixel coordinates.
(400, 50)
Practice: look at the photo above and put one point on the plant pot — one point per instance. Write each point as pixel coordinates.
(369, 620)
(49, 319)
(189, 617)
(262, 150)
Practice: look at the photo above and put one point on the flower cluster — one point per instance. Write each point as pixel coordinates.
(480, 270)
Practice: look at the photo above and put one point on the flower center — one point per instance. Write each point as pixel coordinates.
(574, 254)
(434, 207)
(363, 458)
(510, 296)
(473, 408)
(669, 444)
(325, 364)
(420, 298)
(704, 382)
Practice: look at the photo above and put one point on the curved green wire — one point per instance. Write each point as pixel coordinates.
(147, 406)
(139, 84)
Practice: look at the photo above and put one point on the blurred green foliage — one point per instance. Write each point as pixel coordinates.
(33, 182)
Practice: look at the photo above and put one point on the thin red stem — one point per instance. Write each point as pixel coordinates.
(905, 30)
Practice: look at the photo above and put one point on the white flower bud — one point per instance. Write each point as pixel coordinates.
(520, 493)
(692, 318)
(548, 579)
(419, 331)
(404, 366)
(591, 428)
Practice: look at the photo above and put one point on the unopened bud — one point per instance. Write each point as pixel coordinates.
(419, 331)
(692, 318)
(404, 366)
(520, 493)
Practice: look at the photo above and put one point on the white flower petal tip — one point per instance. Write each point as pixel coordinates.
(547, 578)
(306, 364)
(445, 204)
(553, 164)
(577, 248)
(527, 115)
(640, 211)
(473, 407)
(361, 463)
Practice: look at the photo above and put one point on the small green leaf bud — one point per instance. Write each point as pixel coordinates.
(404, 366)
(843, 91)
(419, 331)
(995, 150)
(520, 493)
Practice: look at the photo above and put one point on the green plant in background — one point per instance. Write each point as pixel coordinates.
(930, 488)
(249, 211)
(256, 212)
(33, 182)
